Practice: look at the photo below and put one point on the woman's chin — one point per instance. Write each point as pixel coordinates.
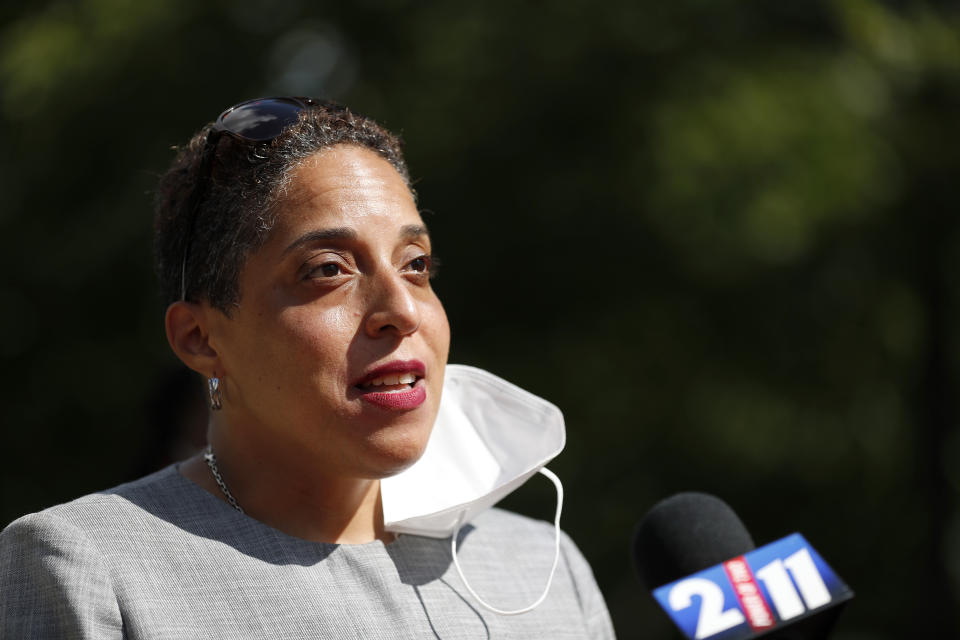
(389, 456)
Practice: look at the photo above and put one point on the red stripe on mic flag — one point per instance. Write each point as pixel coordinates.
(752, 602)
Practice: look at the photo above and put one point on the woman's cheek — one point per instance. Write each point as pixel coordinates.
(324, 329)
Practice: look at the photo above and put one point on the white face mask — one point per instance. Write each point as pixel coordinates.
(489, 438)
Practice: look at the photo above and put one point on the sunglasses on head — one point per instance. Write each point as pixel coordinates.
(254, 121)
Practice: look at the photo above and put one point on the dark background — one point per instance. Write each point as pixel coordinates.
(722, 236)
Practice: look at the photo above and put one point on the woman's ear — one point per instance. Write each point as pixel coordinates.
(189, 337)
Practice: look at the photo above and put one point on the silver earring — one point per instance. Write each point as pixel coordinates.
(216, 398)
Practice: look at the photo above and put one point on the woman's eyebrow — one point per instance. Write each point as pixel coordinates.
(337, 233)
(414, 231)
(346, 233)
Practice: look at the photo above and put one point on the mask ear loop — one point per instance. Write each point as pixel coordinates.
(556, 555)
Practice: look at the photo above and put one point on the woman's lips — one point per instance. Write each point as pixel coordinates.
(396, 386)
(397, 397)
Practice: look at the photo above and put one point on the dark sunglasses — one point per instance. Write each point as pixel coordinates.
(255, 121)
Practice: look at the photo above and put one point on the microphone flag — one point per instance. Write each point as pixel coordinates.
(754, 594)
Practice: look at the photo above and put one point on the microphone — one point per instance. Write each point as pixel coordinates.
(701, 565)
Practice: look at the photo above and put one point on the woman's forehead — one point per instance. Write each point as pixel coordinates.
(346, 171)
(346, 188)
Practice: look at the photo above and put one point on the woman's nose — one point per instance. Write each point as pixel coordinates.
(393, 309)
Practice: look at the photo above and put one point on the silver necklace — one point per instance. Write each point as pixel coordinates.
(212, 463)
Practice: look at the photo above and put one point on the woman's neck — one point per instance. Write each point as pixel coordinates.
(288, 493)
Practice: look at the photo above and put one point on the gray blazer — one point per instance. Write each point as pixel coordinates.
(162, 558)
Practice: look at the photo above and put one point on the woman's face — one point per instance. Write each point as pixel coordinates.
(338, 347)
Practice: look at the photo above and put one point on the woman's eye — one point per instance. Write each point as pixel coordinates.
(420, 264)
(326, 270)
(425, 264)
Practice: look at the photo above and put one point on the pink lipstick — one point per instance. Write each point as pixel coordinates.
(395, 386)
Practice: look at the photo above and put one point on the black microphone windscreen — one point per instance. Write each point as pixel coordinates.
(684, 534)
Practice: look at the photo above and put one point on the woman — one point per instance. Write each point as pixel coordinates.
(297, 272)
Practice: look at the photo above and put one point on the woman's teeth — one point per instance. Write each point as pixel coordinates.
(390, 379)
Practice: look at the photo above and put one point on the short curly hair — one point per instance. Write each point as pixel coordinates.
(239, 204)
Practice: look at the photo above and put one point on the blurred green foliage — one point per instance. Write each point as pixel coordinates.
(723, 236)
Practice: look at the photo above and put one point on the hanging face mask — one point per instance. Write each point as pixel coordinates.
(489, 438)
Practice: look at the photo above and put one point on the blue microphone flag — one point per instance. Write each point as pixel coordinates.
(756, 593)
